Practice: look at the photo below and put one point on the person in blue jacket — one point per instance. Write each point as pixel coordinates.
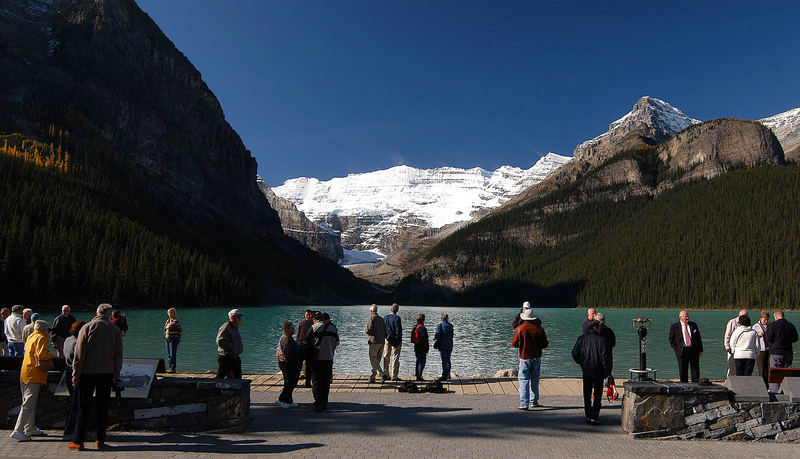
(443, 341)
(394, 341)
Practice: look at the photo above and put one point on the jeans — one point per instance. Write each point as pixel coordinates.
(86, 387)
(445, 363)
(778, 361)
(16, 349)
(422, 357)
(529, 371)
(172, 352)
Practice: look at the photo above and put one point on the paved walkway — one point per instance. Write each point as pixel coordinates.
(409, 425)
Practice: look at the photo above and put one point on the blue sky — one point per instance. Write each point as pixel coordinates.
(323, 89)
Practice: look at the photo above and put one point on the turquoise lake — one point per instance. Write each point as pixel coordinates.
(482, 338)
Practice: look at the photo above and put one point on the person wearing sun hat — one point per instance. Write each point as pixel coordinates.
(33, 375)
(230, 347)
(530, 338)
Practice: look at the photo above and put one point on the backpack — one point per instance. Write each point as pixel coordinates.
(409, 387)
(415, 334)
(435, 387)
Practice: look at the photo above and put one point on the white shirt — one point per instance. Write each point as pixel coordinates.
(13, 328)
(688, 330)
(732, 324)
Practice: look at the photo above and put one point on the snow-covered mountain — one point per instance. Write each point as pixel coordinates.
(650, 117)
(786, 127)
(367, 207)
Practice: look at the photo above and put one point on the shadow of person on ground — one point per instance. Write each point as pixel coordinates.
(463, 421)
(200, 443)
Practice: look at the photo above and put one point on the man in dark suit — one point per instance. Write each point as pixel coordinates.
(684, 337)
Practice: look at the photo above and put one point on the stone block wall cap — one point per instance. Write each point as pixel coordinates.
(670, 387)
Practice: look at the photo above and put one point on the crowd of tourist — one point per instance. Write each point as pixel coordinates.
(93, 355)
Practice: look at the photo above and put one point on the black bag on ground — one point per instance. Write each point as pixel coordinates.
(409, 387)
(434, 387)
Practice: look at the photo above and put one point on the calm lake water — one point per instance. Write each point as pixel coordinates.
(482, 338)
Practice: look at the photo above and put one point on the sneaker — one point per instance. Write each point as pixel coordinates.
(281, 404)
(588, 421)
(292, 405)
(75, 446)
(20, 436)
(594, 422)
(535, 404)
(523, 408)
(36, 432)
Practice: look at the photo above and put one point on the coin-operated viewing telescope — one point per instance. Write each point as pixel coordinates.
(642, 373)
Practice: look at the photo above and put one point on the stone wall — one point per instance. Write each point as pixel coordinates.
(687, 411)
(173, 405)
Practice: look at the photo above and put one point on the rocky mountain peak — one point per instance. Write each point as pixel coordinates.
(650, 121)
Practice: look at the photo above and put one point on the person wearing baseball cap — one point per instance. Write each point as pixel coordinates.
(526, 306)
(230, 347)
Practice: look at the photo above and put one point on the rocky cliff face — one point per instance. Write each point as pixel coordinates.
(786, 127)
(327, 243)
(102, 71)
(710, 148)
(107, 62)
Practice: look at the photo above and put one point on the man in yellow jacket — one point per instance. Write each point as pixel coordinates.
(31, 378)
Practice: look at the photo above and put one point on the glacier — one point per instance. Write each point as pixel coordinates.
(402, 197)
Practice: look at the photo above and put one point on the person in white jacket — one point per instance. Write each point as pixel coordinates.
(744, 347)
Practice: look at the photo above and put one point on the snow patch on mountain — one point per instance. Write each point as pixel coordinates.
(357, 257)
(786, 127)
(660, 115)
(403, 195)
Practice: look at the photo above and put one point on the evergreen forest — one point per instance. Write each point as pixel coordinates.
(730, 241)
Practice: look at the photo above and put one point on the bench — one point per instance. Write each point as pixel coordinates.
(776, 375)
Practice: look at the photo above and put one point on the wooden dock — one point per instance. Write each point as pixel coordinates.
(462, 386)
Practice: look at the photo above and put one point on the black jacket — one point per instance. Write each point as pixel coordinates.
(779, 337)
(609, 335)
(593, 354)
(676, 340)
(304, 332)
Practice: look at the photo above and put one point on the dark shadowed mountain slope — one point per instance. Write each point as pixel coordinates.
(111, 125)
